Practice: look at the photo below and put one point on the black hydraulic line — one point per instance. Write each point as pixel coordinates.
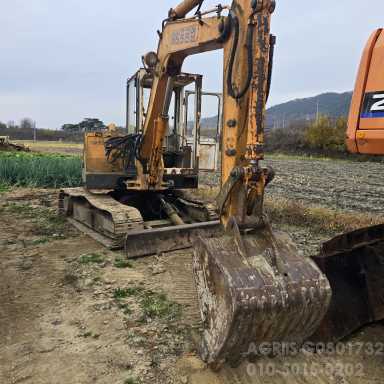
(272, 43)
(250, 33)
(125, 148)
(199, 7)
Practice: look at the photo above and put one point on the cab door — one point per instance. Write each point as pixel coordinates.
(209, 120)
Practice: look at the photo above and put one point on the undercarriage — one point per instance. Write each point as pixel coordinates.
(143, 223)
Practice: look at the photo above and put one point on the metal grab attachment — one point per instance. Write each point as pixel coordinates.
(255, 288)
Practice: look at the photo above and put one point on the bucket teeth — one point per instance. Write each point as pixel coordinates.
(255, 290)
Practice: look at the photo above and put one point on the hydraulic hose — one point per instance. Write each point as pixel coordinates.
(250, 33)
(272, 42)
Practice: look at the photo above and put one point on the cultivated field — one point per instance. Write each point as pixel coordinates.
(74, 312)
(346, 185)
(53, 146)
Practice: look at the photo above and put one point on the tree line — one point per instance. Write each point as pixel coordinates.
(323, 136)
(25, 130)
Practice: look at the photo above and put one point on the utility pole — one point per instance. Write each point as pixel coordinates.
(34, 131)
(317, 112)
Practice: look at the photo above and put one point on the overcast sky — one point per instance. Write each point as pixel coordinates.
(61, 61)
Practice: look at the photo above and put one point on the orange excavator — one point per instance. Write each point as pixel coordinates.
(366, 119)
(252, 283)
(354, 262)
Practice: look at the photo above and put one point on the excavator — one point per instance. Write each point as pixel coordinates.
(354, 262)
(253, 285)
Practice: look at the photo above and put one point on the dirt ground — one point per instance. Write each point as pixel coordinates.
(346, 185)
(65, 148)
(340, 184)
(72, 312)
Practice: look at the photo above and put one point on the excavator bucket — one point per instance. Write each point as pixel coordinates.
(354, 265)
(255, 288)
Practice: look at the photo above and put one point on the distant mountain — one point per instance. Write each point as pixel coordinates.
(331, 104)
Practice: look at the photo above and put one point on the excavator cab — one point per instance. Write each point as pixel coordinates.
(178, 153)
(186, 150)
(190, 143)
(366, 119)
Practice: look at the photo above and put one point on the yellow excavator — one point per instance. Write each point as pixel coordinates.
(252, 283)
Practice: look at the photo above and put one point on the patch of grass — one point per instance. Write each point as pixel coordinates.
(91, 258)
(131, 380)
(24, 210)
(122, 263)
(156, 305)
(4, 188)
(47, 222)
(43, 240)
(122, 293)
(318, 218)
(39, 170)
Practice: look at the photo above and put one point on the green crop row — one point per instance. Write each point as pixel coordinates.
(39, 170)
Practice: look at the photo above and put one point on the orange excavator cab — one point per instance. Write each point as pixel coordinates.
(366, 118)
